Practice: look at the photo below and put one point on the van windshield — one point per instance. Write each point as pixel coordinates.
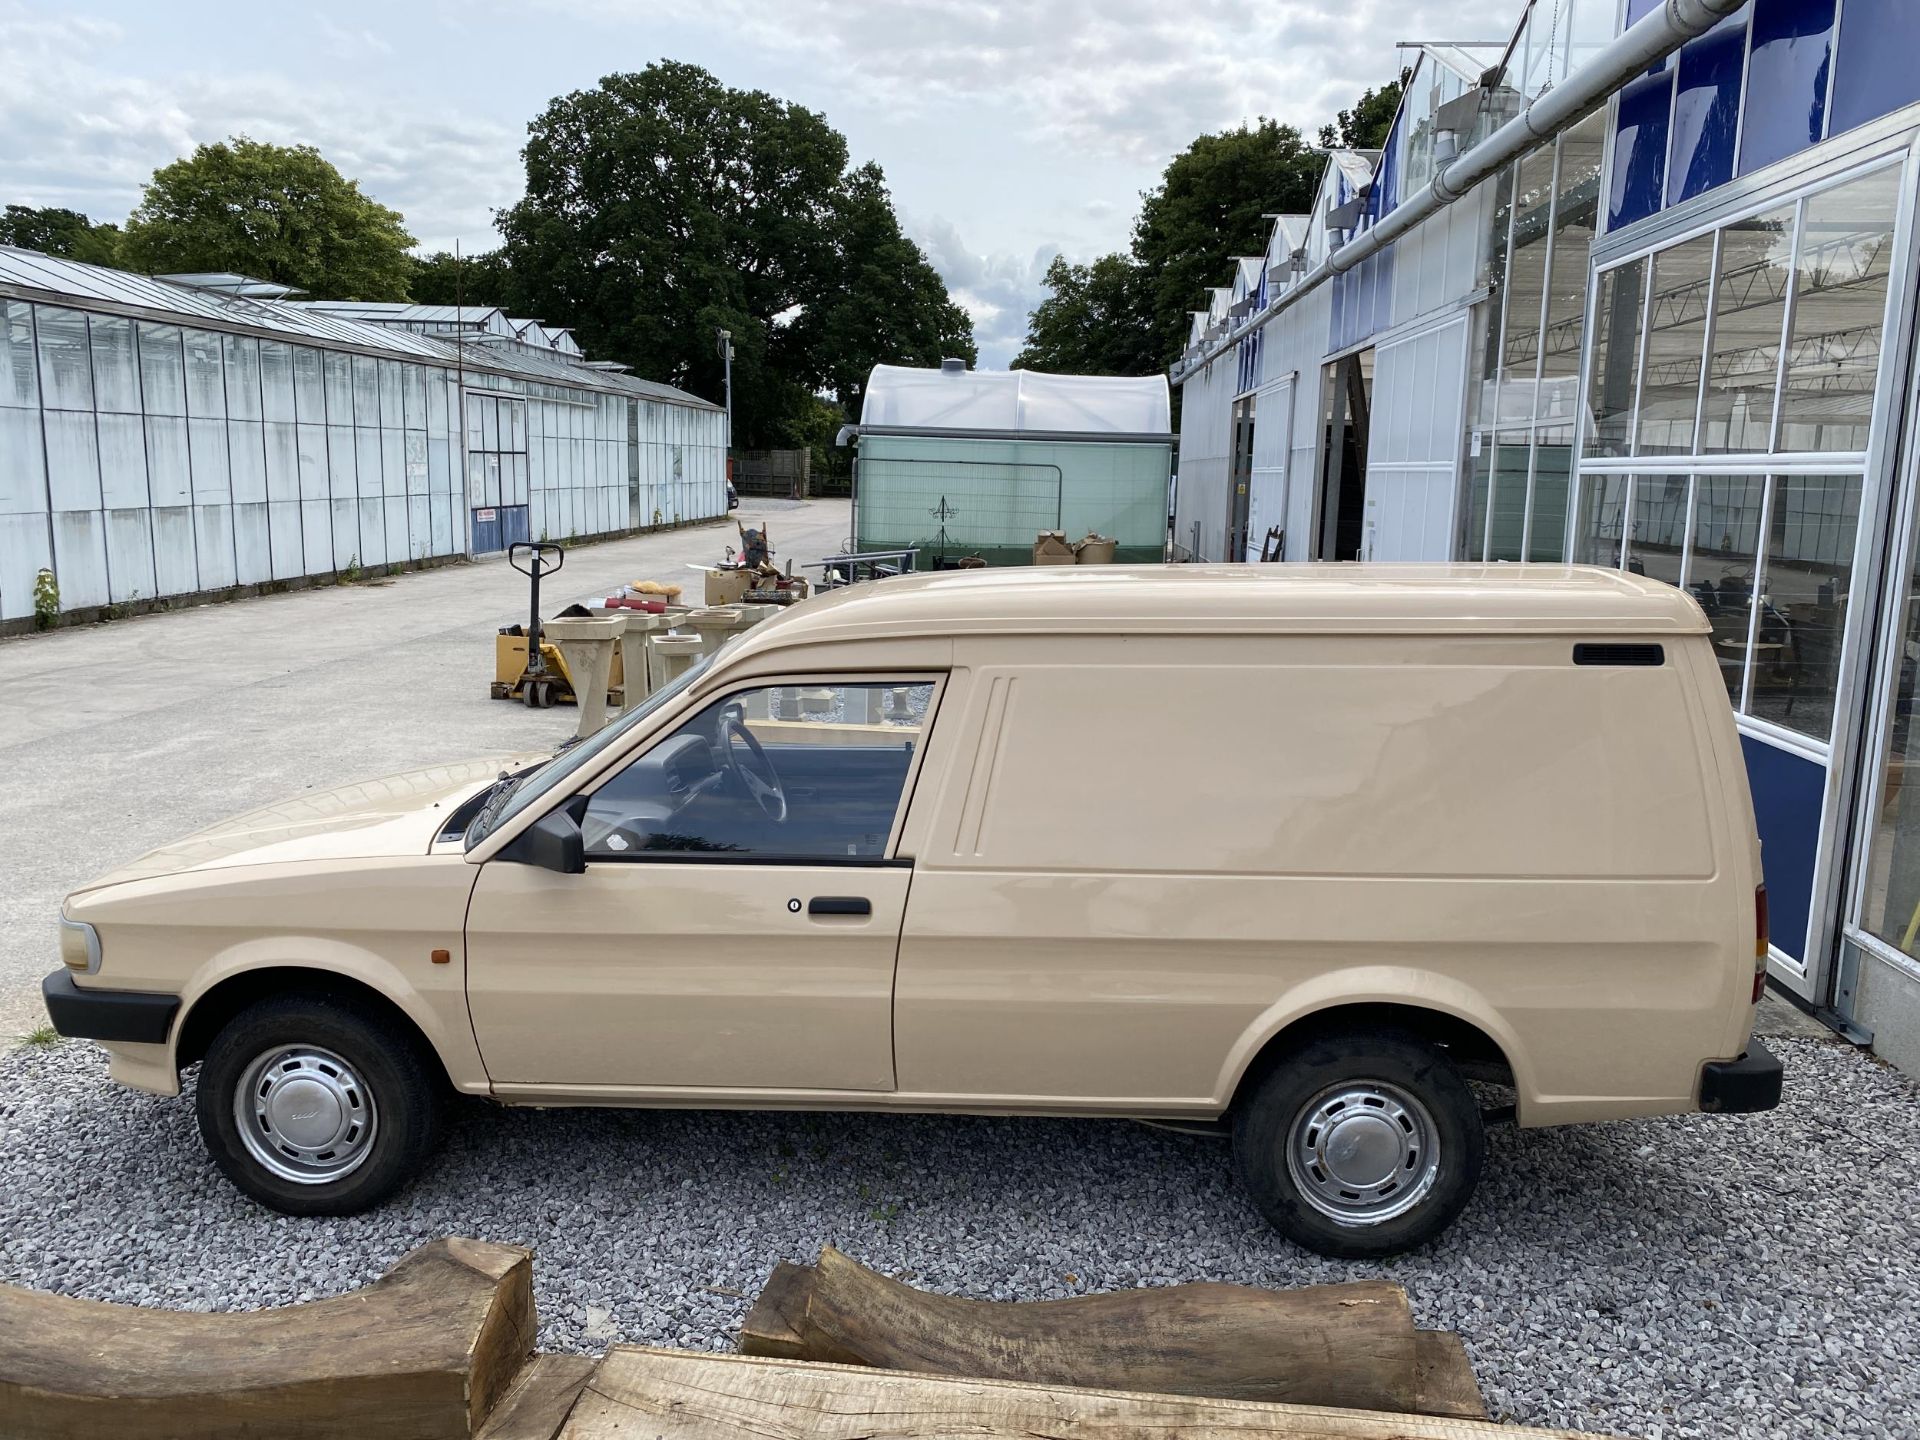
(514, 793)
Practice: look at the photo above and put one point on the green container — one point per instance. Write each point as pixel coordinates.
(990, 498)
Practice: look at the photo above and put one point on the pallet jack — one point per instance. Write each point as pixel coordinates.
(545, 679)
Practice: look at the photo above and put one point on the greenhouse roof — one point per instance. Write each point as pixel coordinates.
(30, 275)
(907, 398)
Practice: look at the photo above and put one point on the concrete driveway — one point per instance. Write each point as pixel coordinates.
(116, 738)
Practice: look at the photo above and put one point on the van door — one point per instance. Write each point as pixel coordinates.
(739, 917)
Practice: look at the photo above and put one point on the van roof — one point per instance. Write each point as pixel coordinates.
(1220, 599)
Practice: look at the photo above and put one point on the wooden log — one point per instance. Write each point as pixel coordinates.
(1444, 1380)
(684, 1395)
(423, 1353)
(540, 1400)
(1446, 1385)
(1351, 1345)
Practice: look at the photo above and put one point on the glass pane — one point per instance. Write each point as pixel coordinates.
(1615, 374)
(309, 391)
(116, 375)
(1509, 496)
(243, 376)
(1875, 73)
(780, 772)
(1603, 509)
(1791, 49)
(276, 380)
(1805, 593)
(1706, 109)
(1527, 276)
(1677, 332)
(1839, 309)
(66, 371)
(1749, 304)
(1657, 545)
(1574, 214)
(339, 373)
(162, 369)
(206, 390)
(1891, 906)
(19, 383)
(366, 392)
(1720, 569)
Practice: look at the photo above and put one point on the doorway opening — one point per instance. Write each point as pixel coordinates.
(1240, 478)
(1348, 391)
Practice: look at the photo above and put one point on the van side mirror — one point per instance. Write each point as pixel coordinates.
(553, 842)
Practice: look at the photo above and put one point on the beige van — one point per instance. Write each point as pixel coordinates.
(1295, 852)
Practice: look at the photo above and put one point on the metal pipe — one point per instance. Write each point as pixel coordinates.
(1652, 38)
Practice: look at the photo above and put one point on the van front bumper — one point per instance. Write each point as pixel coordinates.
(130, 1016)
(1740, 1087)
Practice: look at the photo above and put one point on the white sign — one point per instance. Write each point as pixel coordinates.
(483, 517)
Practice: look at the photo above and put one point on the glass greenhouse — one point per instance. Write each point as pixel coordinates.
(162, 439)
(963, 462)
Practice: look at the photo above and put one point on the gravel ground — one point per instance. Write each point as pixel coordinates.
(1752, 1276)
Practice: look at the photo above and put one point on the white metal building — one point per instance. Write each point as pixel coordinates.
(1673, 333)
(163, 439)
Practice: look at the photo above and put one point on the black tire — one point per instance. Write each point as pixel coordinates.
(393, 1072)
(1449, 1134)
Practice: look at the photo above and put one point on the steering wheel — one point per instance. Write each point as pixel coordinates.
(755, 771)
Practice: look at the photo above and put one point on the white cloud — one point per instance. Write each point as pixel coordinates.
(86, 133)
(997, 290)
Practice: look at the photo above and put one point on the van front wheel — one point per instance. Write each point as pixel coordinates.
(1360, 1143)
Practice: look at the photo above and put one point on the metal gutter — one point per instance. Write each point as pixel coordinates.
(1629, 54)
(1051, 437)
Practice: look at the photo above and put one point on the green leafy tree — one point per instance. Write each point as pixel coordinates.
(663, 205)
(887, 304)
(276, 212)
(1207, 209)
(483, 279)
(1094, 321)
(65, 233)
(1365, 126)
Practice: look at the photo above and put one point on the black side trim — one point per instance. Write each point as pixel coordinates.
(134, 1016)
(1740, 1087)
(722, 857)
(839, 905)
(1590, 654)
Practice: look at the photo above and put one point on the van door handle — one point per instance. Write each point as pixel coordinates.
(839, 905)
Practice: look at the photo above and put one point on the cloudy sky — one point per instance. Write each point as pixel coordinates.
(1010, 130)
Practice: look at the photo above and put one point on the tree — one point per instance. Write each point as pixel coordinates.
(483, 279)
(888, 305)
(1094, 321)
(65, 233)
(1365, 127)
(664, 204)
(274, 212)
(1207, 209)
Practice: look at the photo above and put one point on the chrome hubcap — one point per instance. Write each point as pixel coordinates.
(305, 1115)
(1362, 1152)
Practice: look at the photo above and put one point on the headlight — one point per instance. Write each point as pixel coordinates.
(79, 946)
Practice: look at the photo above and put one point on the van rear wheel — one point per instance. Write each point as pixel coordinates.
(1360, 1143)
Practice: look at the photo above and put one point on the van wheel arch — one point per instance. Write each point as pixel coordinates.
(212, 1011)
(1473, 1052)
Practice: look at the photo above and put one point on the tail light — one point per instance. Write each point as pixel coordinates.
(1759, 942)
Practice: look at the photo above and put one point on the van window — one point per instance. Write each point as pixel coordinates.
(777, 773)
(1386, 764)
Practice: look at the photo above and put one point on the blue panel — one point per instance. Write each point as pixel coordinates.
(1787, 68)
(1876, 72)
(1788, 791)
(513, 524)
(1706, 110)
(486, 531)
(1640, 149)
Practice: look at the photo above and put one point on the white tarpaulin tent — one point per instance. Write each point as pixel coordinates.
(902, 397)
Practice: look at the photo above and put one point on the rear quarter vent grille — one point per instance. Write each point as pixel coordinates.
(1619, 655)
